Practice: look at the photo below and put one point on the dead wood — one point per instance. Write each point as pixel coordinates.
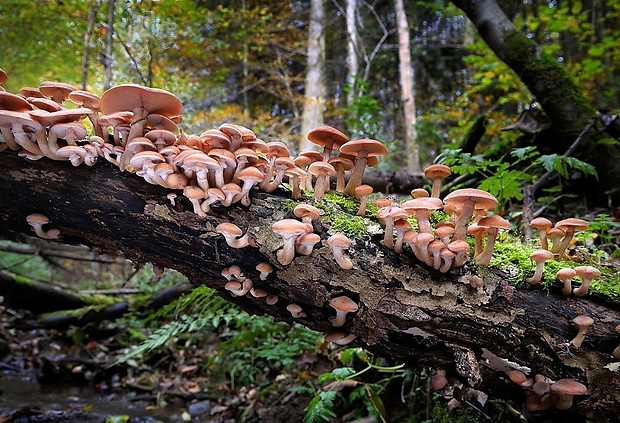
(408, 312)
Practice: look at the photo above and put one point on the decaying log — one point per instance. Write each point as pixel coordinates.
(407, 312)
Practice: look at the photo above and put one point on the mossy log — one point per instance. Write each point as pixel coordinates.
(408, 312)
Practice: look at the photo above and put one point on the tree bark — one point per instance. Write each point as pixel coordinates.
(408, 312)
(108, 53)
(92, 15)
(552, 85)
(314, 94)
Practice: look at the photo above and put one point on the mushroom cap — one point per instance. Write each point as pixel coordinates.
(226, 156)
(571, 222)
(423, 238)
(49, 88)
(264, 267)
(541, 223)
(482, 199)
(583, 320)
(341, 161)
(302, 210)
(30, 92)
(494, 221)
(427, 203)
(566, 273)
(344, 303)
(363, 190)
(314, 155)
(44, 103)
(294, 308)
(277, 148)
(37, 218)
(157, 121)
(161, 134)
(459, 246)
(62, 129)
(14, 102)
(215, 138)
(437, 170)
(372, 147)
(8, 118)
(568, 387)
(227, 228)
(541, 255)
(587, 272)
(193, 192)
(70, 150)
(139, 160)
(339, 240)
(250, 173)
(128, 97)
(419, 192)
(308, 239)
(61, 116)
(289, 227)
(382, 202)
(3, 76)
(327, 136)
(85, 98)
(321, 168)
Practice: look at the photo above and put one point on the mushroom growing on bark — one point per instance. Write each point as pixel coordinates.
(566, 275)
(582, 322)
(563, 392)
(338, 243)
(540, 257)
(289, 230)
(233, 235)
(570, 226)
(362, 150)
(492, 224)
(468, 199)
(542, 224)
(342, 305)
(586, 273)
(37, 220)
(327, 137)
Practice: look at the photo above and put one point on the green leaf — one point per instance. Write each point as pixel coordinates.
(343, 372)
(321, 407)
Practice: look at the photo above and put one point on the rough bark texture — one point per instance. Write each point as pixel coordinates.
(407, 311)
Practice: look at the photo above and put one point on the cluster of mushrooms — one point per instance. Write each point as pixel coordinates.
(135, 128)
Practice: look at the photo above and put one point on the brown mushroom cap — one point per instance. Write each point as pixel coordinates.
(308, 211)
(14, 102)
(327, 137)
(57, 91)
(568, 387)
(3, 76)
(344, 303)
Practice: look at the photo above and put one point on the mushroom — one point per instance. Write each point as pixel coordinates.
(250, 176)
(233, 235)
(295, 310)
(362, 192)
(447, 256)
(306, 213)
(583, 322)
(419, 245)
(468, 199)
(339, 242)
(289, 230)
(265, 269)
(390, 214)
(476, 281)
(438, 380)
(461, 249)
(401, 227)
(362, 149)
(342, 305)
(540, 257)
(419, 192)
(421, 207)
(327, 137)
(321, 170)
(563, 392)
(306, 242)
(586, 273)
(142, 101)
(194, 194)
(542, 224)
(340, 337)
(436, 173)
(341, 164)
(566, 275)
(492, 224)
(570, 226)
(57, 91)
(37, 220)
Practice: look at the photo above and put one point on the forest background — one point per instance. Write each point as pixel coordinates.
(282, 68)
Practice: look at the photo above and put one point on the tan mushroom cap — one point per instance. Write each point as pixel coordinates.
(483, 199)
(583, 320)
(57, 91)
(3, 76)
(363, 190)
(128, 97)
(306, 210)
(61, 116)
(541, 223)
(14, 102)
(344, 303)
(321, 168)
(494, 221)
(45, 103)
(437, 170)
(339, 240)
(326, 135)
(541, 255)
(289, 227)
(568, 387)
(85, 98)
(38, 218)
(372, 147)
(587, 272)
(571, 222)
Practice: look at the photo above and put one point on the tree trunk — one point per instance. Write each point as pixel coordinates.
(407, 311)
(352, 51)
(92, 14)
(108, 52)
(407, 90)
(314, 96)
(552, 85)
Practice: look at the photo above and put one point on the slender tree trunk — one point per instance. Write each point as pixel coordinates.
(314, 101)
(92, 15)
(407, 89)
(108, 53)
(352, 51)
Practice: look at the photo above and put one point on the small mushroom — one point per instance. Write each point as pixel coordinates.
(233, 235)
(436, 173)
(362, 192)
(540, 257)
(265, 269)
(566, 275)
(289, 230)
(468, 199)
(305, 243)
(492, 224)
(586, 273)
(542, 224)
(342, 305)
(339, 242)
(37, 220)
(439, 380)
(563, 392)
(295, 310)
(582, 322)
(340, 337)
(570, 226)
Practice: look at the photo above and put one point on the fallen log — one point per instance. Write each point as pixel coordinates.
(407, 311)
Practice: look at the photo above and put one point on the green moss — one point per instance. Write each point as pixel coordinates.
(349, 204)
